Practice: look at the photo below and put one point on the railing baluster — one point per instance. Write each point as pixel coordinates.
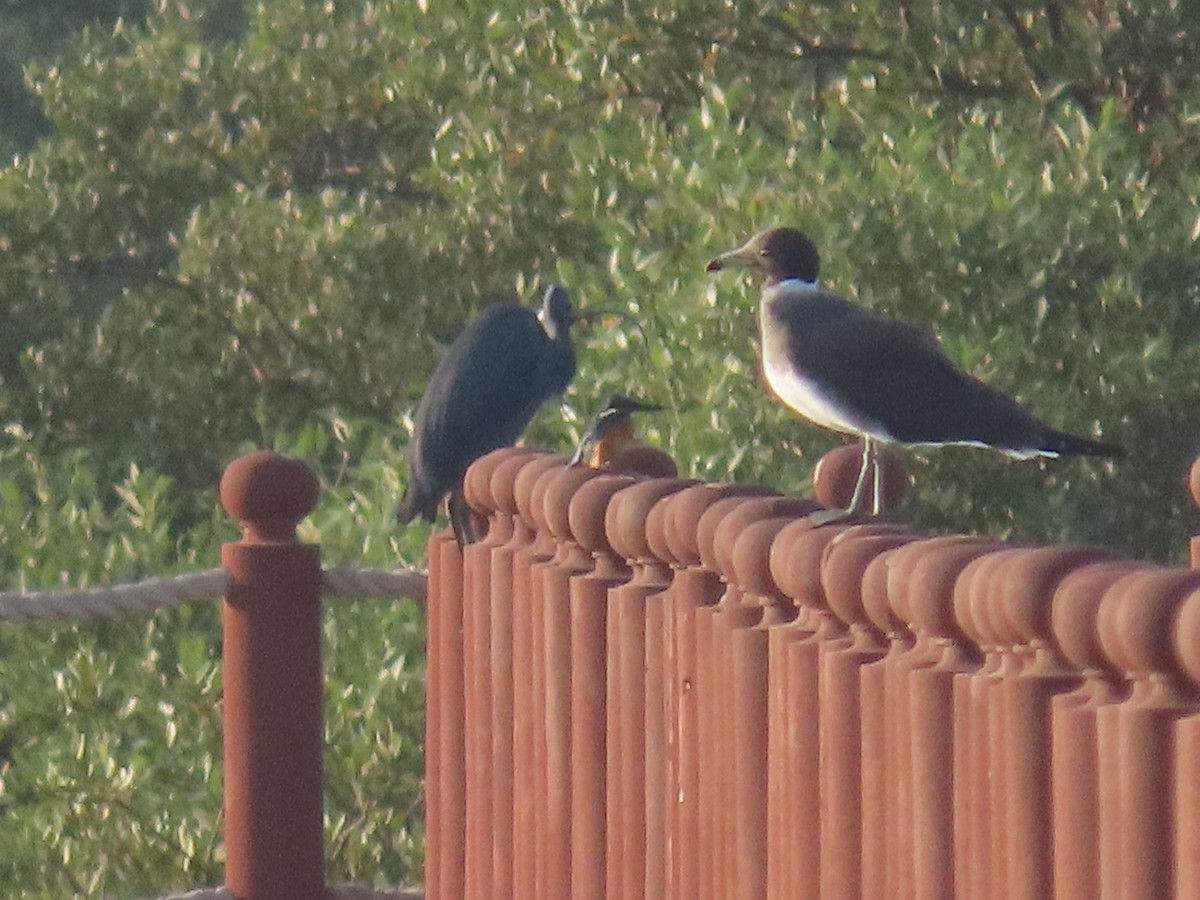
(590, 728)
(527, 688)
(757, 707)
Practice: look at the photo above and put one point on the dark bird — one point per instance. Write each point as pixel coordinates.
(610, 432)
(504, 365)
(854, 371)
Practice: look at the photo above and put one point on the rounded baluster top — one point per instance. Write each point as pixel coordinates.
(1187, 636)
(1074, 609)
(688, 508)
(923, 577)
(537, 499)
(589, 510)
(719, 530)
(974, 596)
(561, 488)
(1137, 621)
(477, 482)
(659, 522)
(876, 603)
(836, 472)
(796, 559)
(627, 516)
(269, 494)
(529, 476)
(845, 562)
(504, 479)
(750, 556)
(1028, 581)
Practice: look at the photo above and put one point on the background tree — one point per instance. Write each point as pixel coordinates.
(297, 210)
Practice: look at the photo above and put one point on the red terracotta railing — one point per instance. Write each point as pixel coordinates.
(663, 689)
(273, 682)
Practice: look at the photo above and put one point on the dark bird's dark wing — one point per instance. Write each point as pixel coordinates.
(483, 393)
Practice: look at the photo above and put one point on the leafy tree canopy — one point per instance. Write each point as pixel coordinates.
(234, 227)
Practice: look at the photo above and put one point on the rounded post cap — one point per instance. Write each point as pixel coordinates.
(587, 514)
(640, 459)
(561, 489)
(1074, 608)
(268, 493)
(627, 516)
(477, 482)
(835, 473)
(844, 565)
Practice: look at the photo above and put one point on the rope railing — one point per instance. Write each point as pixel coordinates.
(361, 584)
(152, 594)
(336, 892)
(115, 600)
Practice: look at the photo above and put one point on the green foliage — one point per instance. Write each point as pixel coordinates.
(297, 219)
(257, 224)
(110, 731)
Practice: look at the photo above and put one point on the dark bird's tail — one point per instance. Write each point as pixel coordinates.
(416, 503)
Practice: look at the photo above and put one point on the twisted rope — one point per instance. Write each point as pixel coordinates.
(402, 584)
(335, 892)
(142, 597)
(169, 592)
(222, 893)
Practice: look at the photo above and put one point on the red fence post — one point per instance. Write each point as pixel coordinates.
(843, 578)
(1186, 634)
(1074, 758)
(922, 588)
(590, 729)
(570, 561)
(1137, 737)
(516, 535)
(479, 636)
(272, 685)
(529, 675)
(694, 592)
(626, 518)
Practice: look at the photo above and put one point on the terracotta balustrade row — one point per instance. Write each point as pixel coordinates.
(648, 687)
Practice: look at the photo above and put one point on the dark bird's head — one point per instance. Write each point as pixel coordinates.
(612, 428)
(778, 253)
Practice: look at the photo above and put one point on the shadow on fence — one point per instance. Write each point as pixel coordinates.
(663, 689)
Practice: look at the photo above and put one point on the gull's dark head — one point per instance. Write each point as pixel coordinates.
(778, 253)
